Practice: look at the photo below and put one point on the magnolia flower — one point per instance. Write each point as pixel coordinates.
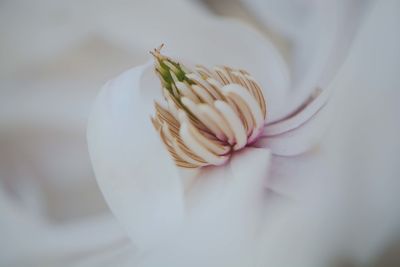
(224, 211)
(227, 126)
(217, 192)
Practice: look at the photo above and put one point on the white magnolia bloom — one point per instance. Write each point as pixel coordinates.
(192, 210)
(269, 205)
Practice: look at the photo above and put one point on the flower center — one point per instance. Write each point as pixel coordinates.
(209, 114)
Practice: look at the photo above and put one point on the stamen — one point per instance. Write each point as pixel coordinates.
(204, 71)
(253, 106)
(196, 111)
(234, 122)
(202, 94)
(210, 144)
(172, 108)
(257, 89)
(214, 93)
(221, 73)
(171, 66)
(198, 149)
(244, 111)
(174, 90)
(174, 78)
(184, 156)
(209, 114)
(219, 120)
(187, 92)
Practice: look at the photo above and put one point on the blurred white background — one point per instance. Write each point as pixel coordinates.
(55, 55)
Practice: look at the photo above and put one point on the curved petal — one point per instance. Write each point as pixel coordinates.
(239, 181)
(226, 208)
(301, 130)
(320, 34)
(134, 171)
(302, 137)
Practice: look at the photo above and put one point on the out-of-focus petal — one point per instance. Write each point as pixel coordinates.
(134, 171)
(319, 33)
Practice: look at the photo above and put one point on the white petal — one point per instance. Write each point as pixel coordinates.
(305, 113)
(226, 207)
(300, 138)
(300, 131)
(134, 171)
(319, 33)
